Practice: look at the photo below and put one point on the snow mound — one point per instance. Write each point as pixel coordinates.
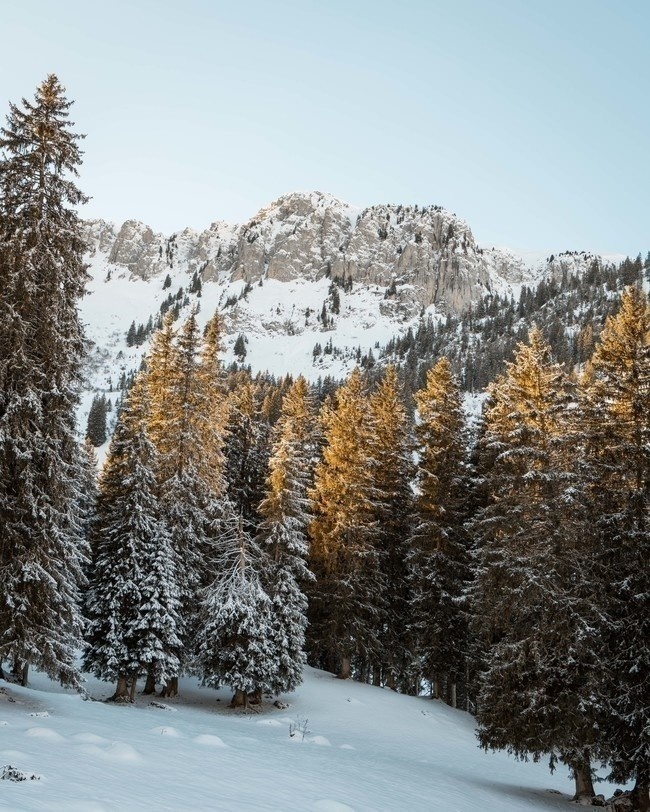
(166, 731)
(120, 751)
(44, 733)
(210, 740)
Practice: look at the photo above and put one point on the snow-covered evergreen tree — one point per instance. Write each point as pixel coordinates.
(616, 410)
(96, 425)
(283, 534)
(247, 452)
(133, 604)
(233, 641)
(343, 601)
(533, 607)
(439, 557)
(392, 508)
(173, 421)
(42, 277)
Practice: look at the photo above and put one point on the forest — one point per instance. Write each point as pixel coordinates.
(241, 527)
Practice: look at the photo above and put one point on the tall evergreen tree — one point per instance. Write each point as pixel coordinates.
(533, 606)
(42, 277)
(343, 602)
(233, 641)
(283, 534)
(247, 452)
(392, 503)
(439, 556)
(96, 426)
(617, 422)
(174, 416)
(133, 602)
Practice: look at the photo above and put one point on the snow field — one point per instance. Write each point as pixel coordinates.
(354, 747)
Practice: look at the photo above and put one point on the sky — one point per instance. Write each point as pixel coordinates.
(527, 118)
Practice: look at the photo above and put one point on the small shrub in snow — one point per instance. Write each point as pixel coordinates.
(10, 773)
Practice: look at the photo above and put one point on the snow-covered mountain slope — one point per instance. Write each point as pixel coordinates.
(354, 748)
(310, 282)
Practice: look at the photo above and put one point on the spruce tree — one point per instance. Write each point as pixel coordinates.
(343, 612)
(42, 277)
(234, 636)
(133, 604)
(247, 452)
(392, 503)
(439, 557)
(532, 601)
(283, 534)
(173, 421)
(96, 425)
(616, 411)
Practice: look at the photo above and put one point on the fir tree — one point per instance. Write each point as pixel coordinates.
(392, 502)
(617, 423)
(532, 598)
(439, 557)
(133, 601)
(211, 409)
(247, 453)
(184, 497)
(343, 601)
(233, 641)
(42, 277)
(96, 425)
(283, 534)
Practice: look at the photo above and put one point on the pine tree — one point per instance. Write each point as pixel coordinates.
(343, 616)
(439, 557)
(617, 423)
(392, 503)
(184, 497)
(42, 276)
(96, 426)
(283, 534)
(88, 492)
(247, 453)
(233, 641)
(133, 601)
(533, 609)
(211, 410)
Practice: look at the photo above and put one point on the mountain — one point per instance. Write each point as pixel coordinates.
(309, 285)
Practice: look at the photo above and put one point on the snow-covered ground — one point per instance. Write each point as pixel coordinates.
(354, 747)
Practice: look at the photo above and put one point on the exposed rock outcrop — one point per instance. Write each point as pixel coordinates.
(429, 252)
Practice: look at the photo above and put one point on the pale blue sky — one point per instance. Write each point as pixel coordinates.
(528, 118)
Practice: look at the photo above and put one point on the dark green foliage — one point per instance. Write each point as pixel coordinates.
(96, 426)
(42, 277)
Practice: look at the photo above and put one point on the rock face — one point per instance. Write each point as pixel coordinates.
(429, 252)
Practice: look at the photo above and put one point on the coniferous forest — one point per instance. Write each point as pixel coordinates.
(243, 526)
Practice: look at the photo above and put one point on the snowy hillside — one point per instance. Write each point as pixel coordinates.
(337, 747)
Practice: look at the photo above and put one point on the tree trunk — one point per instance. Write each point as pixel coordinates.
(121, 691)
(641, 796)
(344, 673)
(134, 682)
(170, 688)
(150, 684)
(437, 688)
(390, 681)
(255, 697)
(452, 699)
(376, 676)
(19, 672)
(239, 700)
(582, 776)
